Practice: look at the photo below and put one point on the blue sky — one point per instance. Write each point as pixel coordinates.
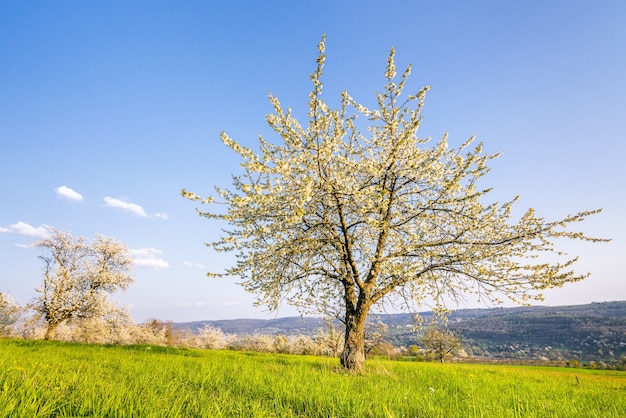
(109, 109)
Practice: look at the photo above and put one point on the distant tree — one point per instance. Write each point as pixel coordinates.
(78, 277)
(9, 314)
(440, 341)
(375, 332)
(330, 339)
(211, 338)
(303, 344)
(341, 217)
(110, 327)
(385, 348)
(172, 337)
(280, 344)
(573, 363)
(254, 342)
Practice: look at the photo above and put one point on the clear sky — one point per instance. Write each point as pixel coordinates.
(109, 108)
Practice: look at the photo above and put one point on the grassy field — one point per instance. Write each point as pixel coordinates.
(52, 379)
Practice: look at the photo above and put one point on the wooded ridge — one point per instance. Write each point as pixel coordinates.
(592, 332)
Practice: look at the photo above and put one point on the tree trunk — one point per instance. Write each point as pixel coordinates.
(353, 355)
(50, 330)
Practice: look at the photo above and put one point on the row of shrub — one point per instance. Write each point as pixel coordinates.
(120, 329)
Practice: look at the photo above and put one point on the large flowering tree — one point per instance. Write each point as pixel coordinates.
(337, 219)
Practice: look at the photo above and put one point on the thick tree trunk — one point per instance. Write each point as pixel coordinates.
(353, 355)
(50, 330)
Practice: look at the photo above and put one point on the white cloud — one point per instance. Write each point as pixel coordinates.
(22, 228)
(194, 265)
(149, 257)
(118, 203)
(69, 194)
(161, 215)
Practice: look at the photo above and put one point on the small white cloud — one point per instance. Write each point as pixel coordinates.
(153, 263)
(28, 247)
(22, 228)
(161, 215)
(69, 194)
(121, 204)
(194, 265)
(149, 257)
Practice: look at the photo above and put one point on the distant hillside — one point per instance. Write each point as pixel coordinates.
(583, 332)
(292, 325)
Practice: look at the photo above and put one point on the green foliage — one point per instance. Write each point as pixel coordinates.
(39, 378)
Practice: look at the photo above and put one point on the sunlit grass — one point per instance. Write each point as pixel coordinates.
(58, 379)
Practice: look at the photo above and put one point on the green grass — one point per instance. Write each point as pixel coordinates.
(53, 379)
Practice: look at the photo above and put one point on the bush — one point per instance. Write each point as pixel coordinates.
(211, 338)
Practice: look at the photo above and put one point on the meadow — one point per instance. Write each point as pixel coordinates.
(56, 379)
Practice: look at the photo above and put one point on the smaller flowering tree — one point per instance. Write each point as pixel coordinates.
(78, 277)
(440, 341)
(330, 339)
(375, 332)
(9, 314)
(211, 338)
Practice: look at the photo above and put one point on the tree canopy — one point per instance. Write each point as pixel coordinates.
(354, 209)
(78, 277)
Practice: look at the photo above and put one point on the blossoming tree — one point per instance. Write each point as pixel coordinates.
(338, 219)
(78, 277)
(440, 341)
(9, 314)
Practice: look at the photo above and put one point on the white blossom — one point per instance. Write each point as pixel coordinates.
(343, 214)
